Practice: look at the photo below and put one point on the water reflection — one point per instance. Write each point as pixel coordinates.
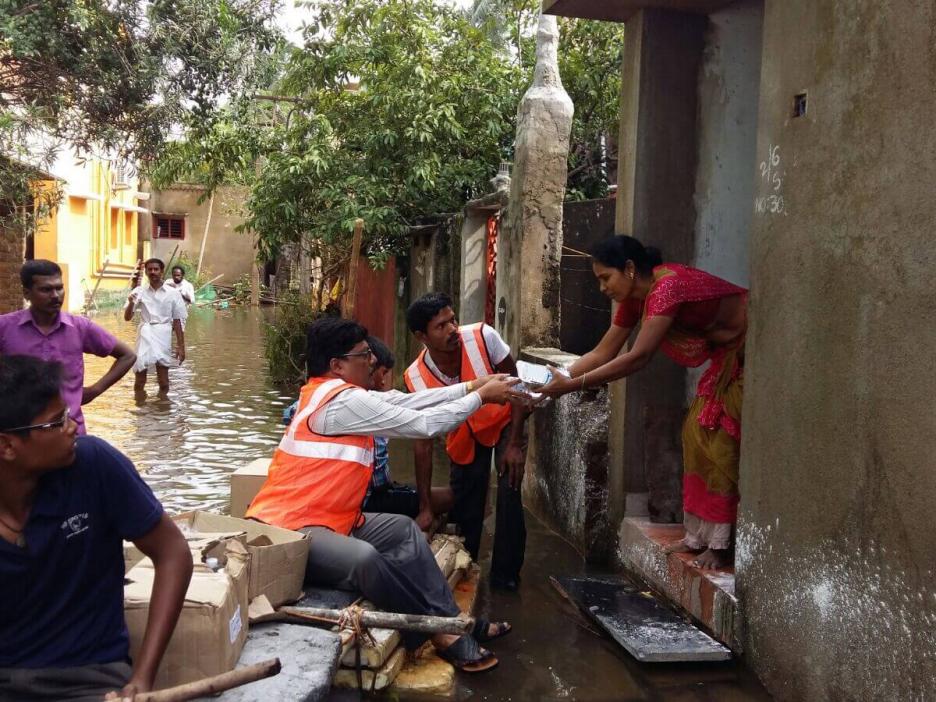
(221, 411)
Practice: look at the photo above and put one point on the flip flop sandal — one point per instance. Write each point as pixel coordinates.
(482, 628)
(467, 656)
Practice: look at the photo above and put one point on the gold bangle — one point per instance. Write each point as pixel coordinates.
(582, 389)
(470, 387)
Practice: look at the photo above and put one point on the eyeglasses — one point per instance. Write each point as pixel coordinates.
(61, 422)
(366, 352)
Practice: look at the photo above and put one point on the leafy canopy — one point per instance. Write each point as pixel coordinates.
(114, 78)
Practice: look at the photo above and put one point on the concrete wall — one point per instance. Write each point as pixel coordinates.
(836, 544)
(227, 251)
(566, 481)
(655, 202)
(584, 310)
(729, 84)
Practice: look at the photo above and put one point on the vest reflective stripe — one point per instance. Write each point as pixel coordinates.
(472, 345)
(414, 381)
(319, 449)
(316, 480)
(315, 402)
(485, 425)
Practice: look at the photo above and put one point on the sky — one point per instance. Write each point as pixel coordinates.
(290, 18)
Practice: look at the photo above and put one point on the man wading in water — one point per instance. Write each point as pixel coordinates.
(163, 312)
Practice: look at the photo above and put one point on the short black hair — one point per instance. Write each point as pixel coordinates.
(178, 267)
(38, 266)
(27, 386)
(162, 266)
(328, 338)
(421, 312)
(382, 353)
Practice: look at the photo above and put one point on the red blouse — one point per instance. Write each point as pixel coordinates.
(689, 295)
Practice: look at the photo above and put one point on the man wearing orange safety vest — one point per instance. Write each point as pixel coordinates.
(454, 354)
(320, 472)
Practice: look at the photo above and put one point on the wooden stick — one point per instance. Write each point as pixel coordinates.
(201, 253)
(97, 284)
(171, 259)
(214, 684)
(423, 623)
(217, 277)
(348, 306)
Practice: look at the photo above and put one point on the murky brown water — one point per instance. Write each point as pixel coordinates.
(222, 412)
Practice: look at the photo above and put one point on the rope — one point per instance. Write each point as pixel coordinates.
(351, 618)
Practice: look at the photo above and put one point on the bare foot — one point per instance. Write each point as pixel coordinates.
(680, 547)
(713, 559)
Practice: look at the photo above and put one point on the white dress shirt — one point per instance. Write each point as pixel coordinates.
(160, 306)
(185, 288)
(394, 414)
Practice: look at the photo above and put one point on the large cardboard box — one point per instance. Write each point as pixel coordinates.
(212, 627)
(277, 556)
(205, 544)
(245, 484)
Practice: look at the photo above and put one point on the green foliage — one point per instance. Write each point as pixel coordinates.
(284, 339)
(113, 78)
(406, 107)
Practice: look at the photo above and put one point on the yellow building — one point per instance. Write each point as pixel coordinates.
(93, 232)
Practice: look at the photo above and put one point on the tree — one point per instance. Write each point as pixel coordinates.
(405, 106)
(115, 78)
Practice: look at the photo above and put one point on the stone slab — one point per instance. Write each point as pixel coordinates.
(647, 630)
(309, 657)
(707, 596)
(373, 657)
(425, 674)
(373, 680)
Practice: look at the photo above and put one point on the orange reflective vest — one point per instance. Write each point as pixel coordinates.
(485, 425)
(316, 480)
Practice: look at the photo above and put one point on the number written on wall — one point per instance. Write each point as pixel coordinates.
(772, 181)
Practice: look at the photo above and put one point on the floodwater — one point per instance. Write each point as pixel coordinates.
(222, 412)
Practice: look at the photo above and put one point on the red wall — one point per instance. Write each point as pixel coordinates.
(375, 303)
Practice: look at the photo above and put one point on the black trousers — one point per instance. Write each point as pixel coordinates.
(470, 485)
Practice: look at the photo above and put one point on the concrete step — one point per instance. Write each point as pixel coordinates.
(707, 596)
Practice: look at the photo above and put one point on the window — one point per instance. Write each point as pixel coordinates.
(168, 227)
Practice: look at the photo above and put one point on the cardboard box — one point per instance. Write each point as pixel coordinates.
(245, 484)
(212, 627)
(206, 544)
(277, 556)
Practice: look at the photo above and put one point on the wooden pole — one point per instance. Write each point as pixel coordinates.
(348, 306)
(217, 277)
(422, 623)
(172, 258)
(97, 284)
(201, 253)
(214, 684)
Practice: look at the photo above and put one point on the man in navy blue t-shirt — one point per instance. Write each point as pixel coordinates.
(66, 504)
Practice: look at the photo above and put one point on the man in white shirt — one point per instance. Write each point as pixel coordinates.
(178, 281)
(322, 468)
(162, 313)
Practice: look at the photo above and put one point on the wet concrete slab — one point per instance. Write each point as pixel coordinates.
(647, 630)
(309, 657)
(708, 596)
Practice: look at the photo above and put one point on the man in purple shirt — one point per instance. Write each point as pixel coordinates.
(44, 331)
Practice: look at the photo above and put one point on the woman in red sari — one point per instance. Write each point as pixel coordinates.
(693, 317)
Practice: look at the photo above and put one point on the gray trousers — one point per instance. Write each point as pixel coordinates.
(87, 683)
(388, 561)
